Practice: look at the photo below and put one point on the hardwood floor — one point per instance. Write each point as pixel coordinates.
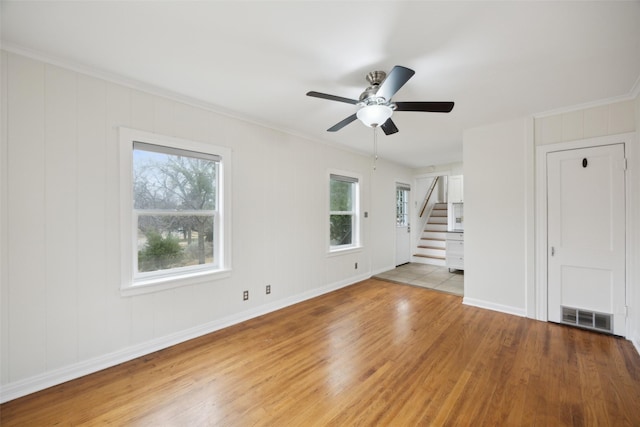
(375, 353)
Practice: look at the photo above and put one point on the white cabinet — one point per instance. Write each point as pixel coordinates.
(456, 217)
(456, 193)
(455, 250)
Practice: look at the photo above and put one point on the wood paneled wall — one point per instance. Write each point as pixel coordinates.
(62, 312)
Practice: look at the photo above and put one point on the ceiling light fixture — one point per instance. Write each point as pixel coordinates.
(374, 115)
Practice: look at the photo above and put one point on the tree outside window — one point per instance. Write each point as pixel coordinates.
(343, 214)
(175, 202)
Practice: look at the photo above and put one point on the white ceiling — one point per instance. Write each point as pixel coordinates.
(256, 60)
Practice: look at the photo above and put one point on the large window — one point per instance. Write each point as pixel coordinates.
(173, 216)
(343, 212)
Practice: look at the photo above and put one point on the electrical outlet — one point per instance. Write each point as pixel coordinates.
(356, 266)
(245, 295)
(268, 289)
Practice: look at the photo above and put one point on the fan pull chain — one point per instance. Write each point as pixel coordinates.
(375, 147)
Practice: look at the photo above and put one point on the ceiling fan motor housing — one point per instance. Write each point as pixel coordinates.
(368, 97)
(376, 77)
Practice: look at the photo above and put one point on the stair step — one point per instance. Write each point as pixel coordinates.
(434, 235)
(437, 220)
(431, 256)
(436, 227)
(429, 261)
(430, 251)
(432, 244)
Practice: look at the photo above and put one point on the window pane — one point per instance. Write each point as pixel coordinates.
(341, 195)
(402, 207)
(169, 181)
(341, 229)
(173, 241)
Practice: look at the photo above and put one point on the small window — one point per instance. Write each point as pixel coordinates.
(343, 212)
(402, 205)
(173, 216)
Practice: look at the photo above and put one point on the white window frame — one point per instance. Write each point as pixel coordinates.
(406, 189)
(356, 243)
(133, 283)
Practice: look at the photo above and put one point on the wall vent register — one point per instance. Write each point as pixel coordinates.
(587, 319)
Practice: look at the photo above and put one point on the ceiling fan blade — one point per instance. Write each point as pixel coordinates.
(331, 97)
(389, 127)
(430, 107)
(394, 81)
(342, 124)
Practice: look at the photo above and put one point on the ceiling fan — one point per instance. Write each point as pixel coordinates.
(375, 102)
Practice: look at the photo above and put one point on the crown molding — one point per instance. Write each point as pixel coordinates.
(584, 106)
(632, 95)
(162, 92)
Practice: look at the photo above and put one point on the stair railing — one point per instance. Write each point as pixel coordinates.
(426, 199)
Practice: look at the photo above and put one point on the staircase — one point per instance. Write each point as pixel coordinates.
(432, 246)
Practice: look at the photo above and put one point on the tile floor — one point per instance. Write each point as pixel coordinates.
(427, 276)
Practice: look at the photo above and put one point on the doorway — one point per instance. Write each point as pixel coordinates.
(586, 254)
(403, 228)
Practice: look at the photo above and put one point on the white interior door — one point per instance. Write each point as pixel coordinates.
(586, 236)
(403, 230)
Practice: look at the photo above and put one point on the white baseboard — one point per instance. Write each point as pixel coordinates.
(522, 312)
(45, 380)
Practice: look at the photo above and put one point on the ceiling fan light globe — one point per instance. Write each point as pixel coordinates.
(374, 115)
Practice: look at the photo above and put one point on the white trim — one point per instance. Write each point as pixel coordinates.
(157, 284)
(587, 105)
(344, 250)
(357, 244)
(168, 94)
(541, 213)
(39, 382)
(529, 220)
(4, 222)
(541, 235)
(516, 311)
(129, 283)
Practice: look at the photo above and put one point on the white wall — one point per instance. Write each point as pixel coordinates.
(62, 312)
(499, 203)
(606, 119)
(611, 118)
(495, 205)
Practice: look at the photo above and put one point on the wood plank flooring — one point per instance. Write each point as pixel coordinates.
(375, 353)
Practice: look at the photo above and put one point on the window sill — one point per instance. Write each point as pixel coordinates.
(344, 251)
(161, 284)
